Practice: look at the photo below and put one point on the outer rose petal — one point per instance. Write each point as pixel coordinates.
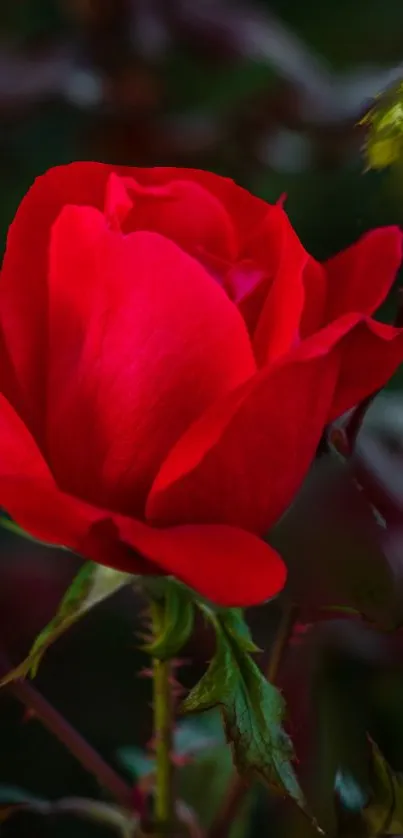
(248, 287)
(246, 211)
(244, 460)
(315, 285)
(185, 212)
(360, 277)
(23, 289)
(371, 353)
(142, 341)
(23, 298)
(28, 491)
(227, 565)
(278, 327)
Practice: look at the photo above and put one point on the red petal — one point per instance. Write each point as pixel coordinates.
(23, 298)
(224, 564)
(315, 284)
(242, 462)
(23, 301)
(359, 278)
(185, 212)
(278, 328)
(142, 341)
(28, 491)
(248, 286)
(371, 354)
(246, 211)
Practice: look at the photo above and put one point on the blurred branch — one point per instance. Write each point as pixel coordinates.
(326, 97)
(88, 757)
(93, 762)
(25, 80)
(112, 817)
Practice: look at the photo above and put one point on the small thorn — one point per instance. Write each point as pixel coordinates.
(177, 662)
(181, 760)
(145, 637)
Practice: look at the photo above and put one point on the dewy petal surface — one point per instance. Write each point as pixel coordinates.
(142, 342)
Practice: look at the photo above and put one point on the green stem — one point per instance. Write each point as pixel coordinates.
(164, 805)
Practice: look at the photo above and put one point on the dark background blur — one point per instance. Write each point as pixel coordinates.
(267, 92)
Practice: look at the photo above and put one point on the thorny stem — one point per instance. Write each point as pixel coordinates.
(89, 758)
(237, 789)
(164, 804)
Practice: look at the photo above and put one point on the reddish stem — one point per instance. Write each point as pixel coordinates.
(87, 756)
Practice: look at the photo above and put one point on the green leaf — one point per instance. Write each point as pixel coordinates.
(338, 740)
(92, 585)
(384, 123)
(252, 708)
(176, 623)
(384, 813)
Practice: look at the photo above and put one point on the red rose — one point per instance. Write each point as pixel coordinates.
(170, 355)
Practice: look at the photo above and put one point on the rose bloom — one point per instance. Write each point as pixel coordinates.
(170, 356)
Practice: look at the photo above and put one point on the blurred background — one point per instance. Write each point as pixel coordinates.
(268, 92)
